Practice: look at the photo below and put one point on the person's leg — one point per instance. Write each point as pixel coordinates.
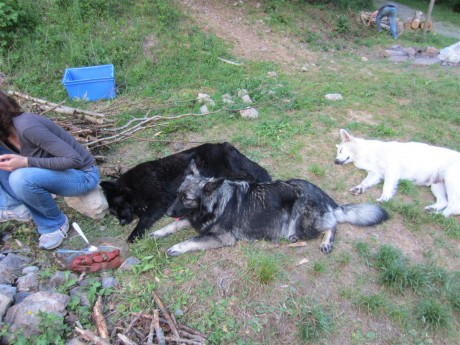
(378, 20)
(392, 19)
(11, 208)
(34, 186)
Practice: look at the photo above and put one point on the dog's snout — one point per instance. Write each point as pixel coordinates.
(337, 161)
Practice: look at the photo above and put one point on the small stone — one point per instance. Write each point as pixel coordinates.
(30, 269)
(334, 97)
(246, 99)
(204, 109)
(249, 113)
(242, 92)
(129, 263)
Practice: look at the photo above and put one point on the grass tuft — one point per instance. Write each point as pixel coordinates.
(433, 314)
(314, 323)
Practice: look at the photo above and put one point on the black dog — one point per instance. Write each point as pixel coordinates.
(223, 212)
(148, 189)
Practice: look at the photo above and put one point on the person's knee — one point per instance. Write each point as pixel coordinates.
(20, 180)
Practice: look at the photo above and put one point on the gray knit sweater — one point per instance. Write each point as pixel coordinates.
(49, 146)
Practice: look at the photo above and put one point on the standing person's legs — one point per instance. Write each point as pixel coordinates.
(34, 186)
(392, 19)
(378, 20)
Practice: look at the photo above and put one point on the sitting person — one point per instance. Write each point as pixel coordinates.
(390, 11)
(38, 158)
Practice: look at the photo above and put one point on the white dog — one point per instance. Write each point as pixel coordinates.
(420, 163)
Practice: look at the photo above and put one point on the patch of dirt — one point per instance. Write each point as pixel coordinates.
(226, 19)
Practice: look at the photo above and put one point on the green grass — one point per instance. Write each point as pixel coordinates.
(314, 323)
(254, 293)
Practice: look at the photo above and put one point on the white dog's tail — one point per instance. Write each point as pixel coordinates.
(360, 214)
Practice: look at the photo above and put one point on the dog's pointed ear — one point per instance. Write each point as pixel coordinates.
(212, 185)
(192, 169)
(345, 136)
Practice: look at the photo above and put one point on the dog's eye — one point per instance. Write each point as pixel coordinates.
(341, 149)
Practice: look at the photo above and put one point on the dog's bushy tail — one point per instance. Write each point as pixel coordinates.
(360, 214)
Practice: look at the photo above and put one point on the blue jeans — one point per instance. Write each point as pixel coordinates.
(33, 188)
(390, 12)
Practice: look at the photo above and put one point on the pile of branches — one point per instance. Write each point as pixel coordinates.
(98, 129)
(160, 328)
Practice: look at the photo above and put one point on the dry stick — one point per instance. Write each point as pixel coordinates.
(132, 323)
(166, 314)
(184, 341)
(69, 111)
(52, 108)
(119, 136)
(90, 336)
(125, 340)
(158, 330)
(64, 109)
(191, 336)
(151, 331)
(99, 318)
(192, 331)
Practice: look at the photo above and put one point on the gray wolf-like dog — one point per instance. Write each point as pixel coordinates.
(423, 164)
(149, 188)
(224, 211)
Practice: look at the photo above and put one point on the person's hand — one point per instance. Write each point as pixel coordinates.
(11, 162)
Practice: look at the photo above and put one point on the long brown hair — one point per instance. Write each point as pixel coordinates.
(9, 108)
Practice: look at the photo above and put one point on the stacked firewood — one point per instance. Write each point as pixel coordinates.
(418, 22)
(160, 328)
(98, 129)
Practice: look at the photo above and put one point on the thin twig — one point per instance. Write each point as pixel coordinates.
(166, 314)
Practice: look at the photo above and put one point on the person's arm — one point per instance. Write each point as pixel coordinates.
(63, 155)
(373, 14)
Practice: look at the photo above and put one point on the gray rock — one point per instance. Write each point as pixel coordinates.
(246, 99)
(109, 282)
(25, 315)
(93, 204)
(78, 292)
(30, 269)
(334, 97)
(227, 99)
(249, 113)
(8, 290)
(11, 266)
(59, 278)
(20, 296)
(242, 92)
(5, 302)
(27, 283)
(129, 263)
(204, 109)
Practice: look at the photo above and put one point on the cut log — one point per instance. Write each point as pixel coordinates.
(418, 16)
(430, 25)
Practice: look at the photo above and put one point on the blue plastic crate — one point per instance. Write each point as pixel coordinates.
(90, 83)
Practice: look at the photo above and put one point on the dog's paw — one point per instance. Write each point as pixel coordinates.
(175, 250)
(325, 248)
(383, 198)
(357, 190)
(435, 207)
(156, 234)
